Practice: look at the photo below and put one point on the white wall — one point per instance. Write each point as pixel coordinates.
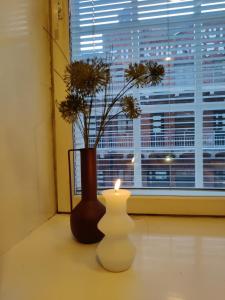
(27, 195)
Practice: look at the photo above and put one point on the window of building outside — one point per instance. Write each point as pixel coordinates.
(179, 140)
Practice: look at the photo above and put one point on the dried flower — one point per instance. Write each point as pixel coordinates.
(87, 77)
(155, 73)
(143, 74)
(136, 72)
(130, 107)
(71, 107)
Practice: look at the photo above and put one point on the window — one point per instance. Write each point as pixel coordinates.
(179, 141)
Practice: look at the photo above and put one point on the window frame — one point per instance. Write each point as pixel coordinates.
(160, 204)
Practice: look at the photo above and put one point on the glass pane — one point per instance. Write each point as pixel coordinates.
(179, 140)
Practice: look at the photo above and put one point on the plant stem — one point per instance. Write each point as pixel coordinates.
(90, 111)
(123, 91)
(86, 140)
(100, 134)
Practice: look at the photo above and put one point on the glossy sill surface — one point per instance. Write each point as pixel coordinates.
(178, 258)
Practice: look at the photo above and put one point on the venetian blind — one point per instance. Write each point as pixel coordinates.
(172, 144)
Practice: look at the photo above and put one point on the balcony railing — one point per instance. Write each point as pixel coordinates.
(161, 141)
(114, 142)
(213, 140)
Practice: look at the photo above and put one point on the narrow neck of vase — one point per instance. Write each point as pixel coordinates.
(88, 174)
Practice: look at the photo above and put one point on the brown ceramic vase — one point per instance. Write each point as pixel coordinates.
(86, 215)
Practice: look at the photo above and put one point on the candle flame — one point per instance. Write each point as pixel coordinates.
(117, 185)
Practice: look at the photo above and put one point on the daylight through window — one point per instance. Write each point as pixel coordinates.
(179, 140)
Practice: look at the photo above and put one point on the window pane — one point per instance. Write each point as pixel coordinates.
(214, 148)
(179, 140)
(168, 169)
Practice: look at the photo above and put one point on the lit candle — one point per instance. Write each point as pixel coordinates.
(116, 199)
(116, 225)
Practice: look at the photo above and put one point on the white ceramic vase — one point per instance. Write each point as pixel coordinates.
(116, 252)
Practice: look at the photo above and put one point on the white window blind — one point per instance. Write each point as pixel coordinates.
(179, 140)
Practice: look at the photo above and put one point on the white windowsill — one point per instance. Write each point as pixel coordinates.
(213, 205)
(178, 192)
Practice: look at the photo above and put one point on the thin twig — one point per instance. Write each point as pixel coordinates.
(103, 113)
(57, 44)
(117, 98)
(100, 133)
(55, 71)
(113, 116)
(120, 95)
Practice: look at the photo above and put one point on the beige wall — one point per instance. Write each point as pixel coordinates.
(27, 195)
